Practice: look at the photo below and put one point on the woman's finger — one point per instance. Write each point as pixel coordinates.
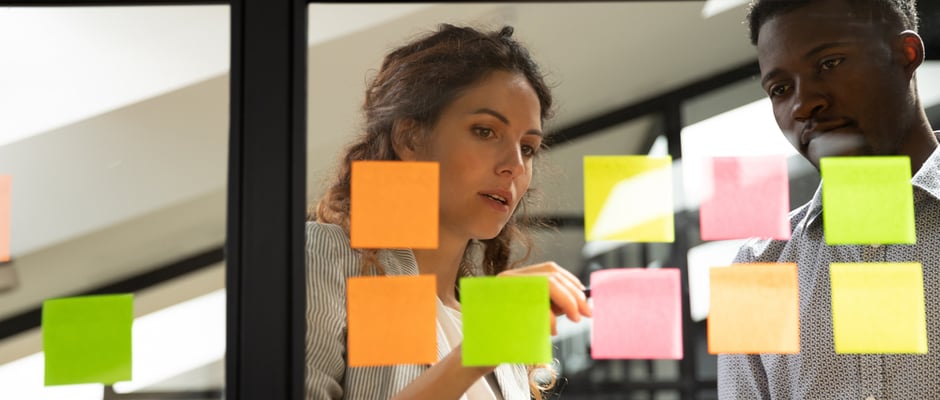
(564, 297)
(554, 324)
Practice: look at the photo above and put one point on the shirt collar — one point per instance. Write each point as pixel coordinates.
(927, 177)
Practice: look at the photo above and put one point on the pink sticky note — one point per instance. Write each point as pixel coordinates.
(747, 197)
(637, 314)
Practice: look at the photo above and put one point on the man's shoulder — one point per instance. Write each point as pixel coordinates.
(762, 250)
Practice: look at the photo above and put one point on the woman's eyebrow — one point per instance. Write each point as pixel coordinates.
(505, 120)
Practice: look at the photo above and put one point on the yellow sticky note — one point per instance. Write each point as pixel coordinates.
(628, 198)
(5, 189)
(755, 308)
(878, 308)
(391, 320)
(394, 204)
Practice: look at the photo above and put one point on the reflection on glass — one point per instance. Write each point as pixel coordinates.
(601, 63)
(115, 133)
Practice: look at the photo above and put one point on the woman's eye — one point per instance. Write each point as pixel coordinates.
(529, 151)
(483, 132)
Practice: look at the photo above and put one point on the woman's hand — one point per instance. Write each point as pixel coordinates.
(565, 290)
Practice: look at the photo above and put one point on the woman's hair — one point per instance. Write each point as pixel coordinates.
(415, 84)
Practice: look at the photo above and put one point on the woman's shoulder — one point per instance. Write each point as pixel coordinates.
(328, 248)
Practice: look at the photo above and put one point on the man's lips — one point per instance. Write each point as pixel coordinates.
(814, 130)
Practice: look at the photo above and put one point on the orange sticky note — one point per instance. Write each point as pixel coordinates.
(394, 204)
(6, 182)
(391, 320)
(755, 308)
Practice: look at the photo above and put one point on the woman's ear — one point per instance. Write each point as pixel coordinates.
(912, 51)
(404, 140)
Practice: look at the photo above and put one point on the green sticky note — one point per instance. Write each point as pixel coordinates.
(87, 339)
(506, 319)
(628, 198)
(878, 308)
(867, 200)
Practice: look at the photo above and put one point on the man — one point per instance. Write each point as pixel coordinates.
(841, 77)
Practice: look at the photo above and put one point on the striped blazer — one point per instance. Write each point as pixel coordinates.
(329, 261)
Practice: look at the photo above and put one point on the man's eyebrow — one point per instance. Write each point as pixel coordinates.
(809, 55)
(770, 75)
(823, 47)
(505, 120)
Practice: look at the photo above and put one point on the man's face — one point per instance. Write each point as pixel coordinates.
(836, 83)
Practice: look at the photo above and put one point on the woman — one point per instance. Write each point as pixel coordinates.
(474, 102)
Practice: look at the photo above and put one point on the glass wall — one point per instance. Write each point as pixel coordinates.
(114, 139)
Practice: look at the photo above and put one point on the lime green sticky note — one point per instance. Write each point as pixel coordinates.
(867, 200)
(628, 198)
(87, 339)
(878, 308)
(506, 319)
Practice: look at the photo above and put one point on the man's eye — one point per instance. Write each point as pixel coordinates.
(778, 90)
(830, 63)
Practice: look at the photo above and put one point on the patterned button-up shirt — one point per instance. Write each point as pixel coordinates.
(817, 372)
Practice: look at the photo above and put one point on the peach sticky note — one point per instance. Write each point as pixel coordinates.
(637, 314)
(878, 308)
(628, 198)
(5, 190)
(746, 197)
(755, 308)
(867, 200)
(391, 320)
(506, 319)
(394, 204)
(87, 339)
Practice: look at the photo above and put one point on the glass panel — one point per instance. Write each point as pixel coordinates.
(600, 62)
(115, 135)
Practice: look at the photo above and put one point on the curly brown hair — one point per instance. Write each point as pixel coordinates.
(415, 83)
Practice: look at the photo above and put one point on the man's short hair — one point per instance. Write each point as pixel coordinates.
(903, 12)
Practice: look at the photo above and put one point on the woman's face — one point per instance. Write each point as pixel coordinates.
(485, 142)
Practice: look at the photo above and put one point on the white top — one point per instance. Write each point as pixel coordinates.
(485, 388)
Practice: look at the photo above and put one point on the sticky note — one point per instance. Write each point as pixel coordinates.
(506, 319)
(6, 183)
(87, 339)
(394, 204)
(755, 308)
(637, 314)
(867, 200)
(628, 198)
(878, 308)
(746, 197)
(391, 320)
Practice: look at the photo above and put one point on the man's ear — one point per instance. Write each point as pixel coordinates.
(911, 51)
(404, 140)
